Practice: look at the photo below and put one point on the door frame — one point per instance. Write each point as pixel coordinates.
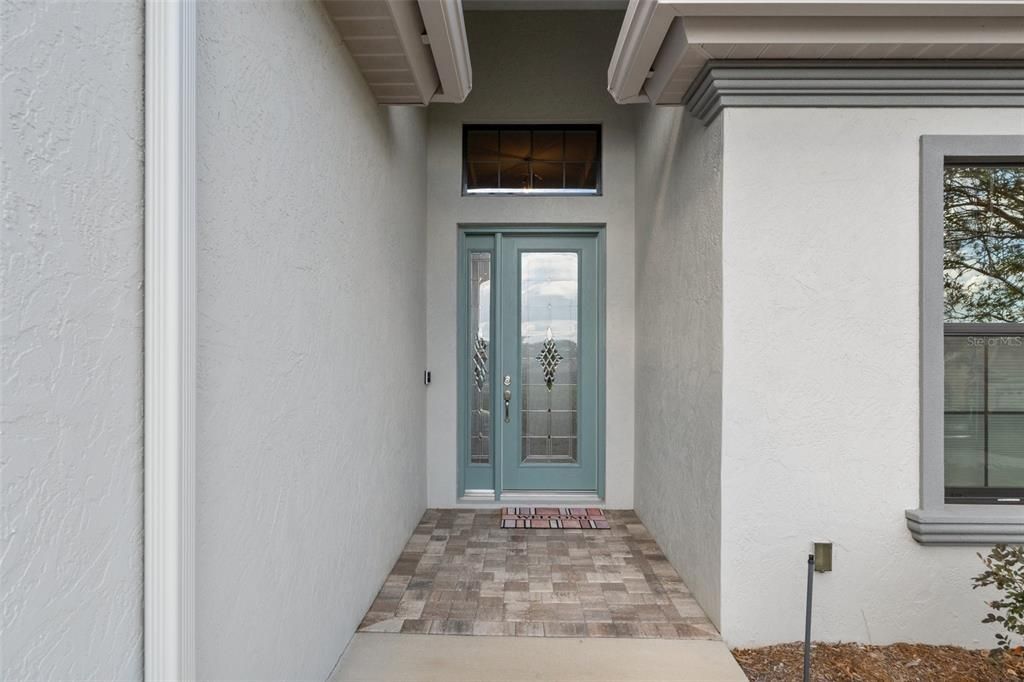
(598, 232)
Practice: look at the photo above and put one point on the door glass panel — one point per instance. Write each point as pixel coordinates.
(549, 318)
(479, 358)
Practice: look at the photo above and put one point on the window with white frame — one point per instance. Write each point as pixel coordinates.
(983, 323)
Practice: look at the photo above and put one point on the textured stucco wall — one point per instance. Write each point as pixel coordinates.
(533, 67)
(72, 340)
(679, 342)
(820, 382)
(311, 351)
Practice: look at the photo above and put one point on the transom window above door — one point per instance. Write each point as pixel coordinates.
(531, 159)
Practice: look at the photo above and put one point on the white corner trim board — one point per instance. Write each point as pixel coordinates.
(170, 340)
(664, 44)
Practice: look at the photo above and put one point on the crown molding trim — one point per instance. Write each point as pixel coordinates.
(854, 83)
(654, 62)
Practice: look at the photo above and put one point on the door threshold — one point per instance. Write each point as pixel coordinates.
(526, 498)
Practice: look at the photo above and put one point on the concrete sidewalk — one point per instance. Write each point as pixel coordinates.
(380, 657)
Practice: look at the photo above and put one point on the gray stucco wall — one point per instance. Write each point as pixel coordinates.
(71, 408)
(679, 343)
(311, 406)
(821, 388)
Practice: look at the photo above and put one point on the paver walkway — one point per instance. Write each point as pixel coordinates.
(461, 574)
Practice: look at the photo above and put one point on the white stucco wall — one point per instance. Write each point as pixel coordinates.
(820, 385)
(310, 466)
(532, 67)
(679, 342)
(71, 408)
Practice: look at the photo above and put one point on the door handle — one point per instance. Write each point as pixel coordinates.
(508, 397)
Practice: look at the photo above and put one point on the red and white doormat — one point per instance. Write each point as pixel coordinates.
(553, 517)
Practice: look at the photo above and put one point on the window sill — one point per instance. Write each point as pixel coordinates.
(961, 524)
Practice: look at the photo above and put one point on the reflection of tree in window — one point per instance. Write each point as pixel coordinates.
(983, 265)
(549, 333)
(479, 360)
(984, 244)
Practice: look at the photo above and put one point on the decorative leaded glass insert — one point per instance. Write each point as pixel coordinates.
(480, 363)
(549, 357)
(549, 317)
(983, 266)
(479, 343)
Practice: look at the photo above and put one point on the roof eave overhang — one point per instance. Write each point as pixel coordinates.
(446, 32)
(409, 51)
(664, 44)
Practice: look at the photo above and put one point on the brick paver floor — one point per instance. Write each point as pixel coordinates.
(461, 574)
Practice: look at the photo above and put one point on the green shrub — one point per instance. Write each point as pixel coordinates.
(1004, 568)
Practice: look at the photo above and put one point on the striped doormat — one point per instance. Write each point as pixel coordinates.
(553, 517)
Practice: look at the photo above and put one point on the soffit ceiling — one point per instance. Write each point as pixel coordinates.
(664, 44)
(416, 51)
(409, 51)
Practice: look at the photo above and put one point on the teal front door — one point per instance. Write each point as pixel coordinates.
(530, 383)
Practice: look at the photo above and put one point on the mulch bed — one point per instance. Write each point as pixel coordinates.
(894, 663)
